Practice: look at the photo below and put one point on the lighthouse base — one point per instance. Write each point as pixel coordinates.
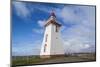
(45, 56)
(51, 56)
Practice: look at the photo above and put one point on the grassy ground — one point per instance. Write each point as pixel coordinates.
(31, 60)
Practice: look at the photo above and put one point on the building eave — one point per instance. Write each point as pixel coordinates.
(52, 22)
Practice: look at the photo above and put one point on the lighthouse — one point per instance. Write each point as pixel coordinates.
(52, 43)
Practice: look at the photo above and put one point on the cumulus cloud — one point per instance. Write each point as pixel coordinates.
(27, 49)
(81, 35)
(38, 31)
(21, 9)
(68, 15)
(41, 23)
(76, 46)
(80, 38)
(77, 14)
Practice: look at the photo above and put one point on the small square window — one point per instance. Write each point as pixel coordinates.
(46, 37)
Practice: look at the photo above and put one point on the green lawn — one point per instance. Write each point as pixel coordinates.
(31, 60)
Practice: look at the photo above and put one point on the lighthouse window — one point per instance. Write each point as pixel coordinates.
(45, 47)
(46, 37)
(56, 28)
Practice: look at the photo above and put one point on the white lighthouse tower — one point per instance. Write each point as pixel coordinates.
(52, 44)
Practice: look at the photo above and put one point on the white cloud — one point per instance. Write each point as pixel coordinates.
(77, 15)
(21, 9)
(41, 23)
(86, 46)
(81, 36)
(27, 49)
(38, 31)
(63, 28)
(75, 45)
(68, 15)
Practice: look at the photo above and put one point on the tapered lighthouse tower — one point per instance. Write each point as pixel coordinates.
(52, 44)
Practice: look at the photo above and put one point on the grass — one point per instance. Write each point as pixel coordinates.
(31, 60)
(24, 60)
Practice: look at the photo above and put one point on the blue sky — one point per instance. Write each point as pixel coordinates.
(28, 18)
